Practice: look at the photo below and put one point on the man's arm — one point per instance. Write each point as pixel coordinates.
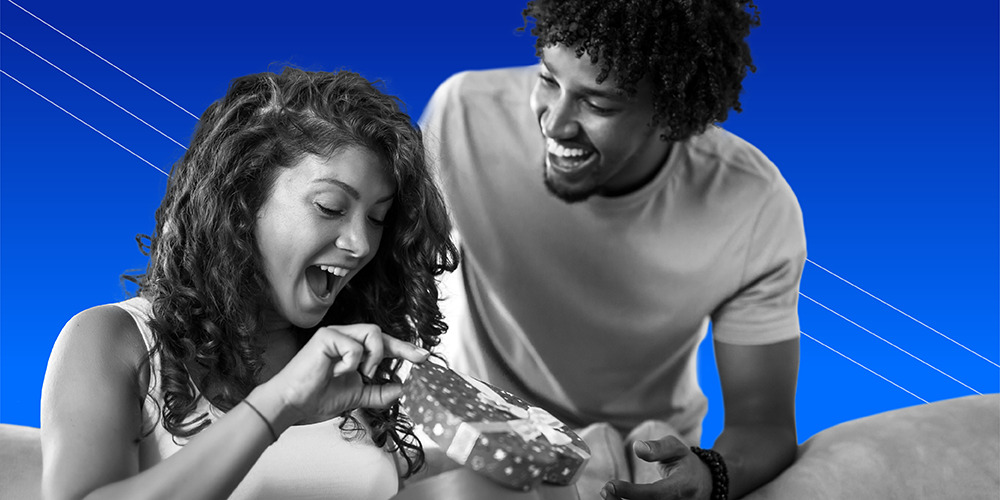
(758, 440)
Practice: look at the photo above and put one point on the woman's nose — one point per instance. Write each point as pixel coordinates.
(354, 238)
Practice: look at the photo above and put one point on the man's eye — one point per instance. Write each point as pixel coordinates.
(598, 109)
(547, 80)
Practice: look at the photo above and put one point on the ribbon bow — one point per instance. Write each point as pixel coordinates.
(527, 423)
(530, 423)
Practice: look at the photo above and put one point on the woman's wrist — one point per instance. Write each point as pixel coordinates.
(270, 428)
(271, 408)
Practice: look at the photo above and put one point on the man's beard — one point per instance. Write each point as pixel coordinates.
(567, 194)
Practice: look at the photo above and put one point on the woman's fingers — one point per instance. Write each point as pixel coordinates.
(378, 345)
(345, 352)
(351, 346)
(379, 395)
(399, 349)
(325, 378)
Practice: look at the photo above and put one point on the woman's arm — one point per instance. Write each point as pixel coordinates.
(92, 420)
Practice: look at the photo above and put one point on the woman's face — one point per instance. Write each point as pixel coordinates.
(320, 224)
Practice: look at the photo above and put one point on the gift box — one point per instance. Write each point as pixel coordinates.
(491, 431)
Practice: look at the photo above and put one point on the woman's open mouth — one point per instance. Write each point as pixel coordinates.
(323, 278)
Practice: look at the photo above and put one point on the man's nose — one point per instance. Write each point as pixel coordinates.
(559, 120)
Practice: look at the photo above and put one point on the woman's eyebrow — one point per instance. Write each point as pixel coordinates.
(349, 189)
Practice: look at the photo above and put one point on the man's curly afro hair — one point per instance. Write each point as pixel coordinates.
(693, 51)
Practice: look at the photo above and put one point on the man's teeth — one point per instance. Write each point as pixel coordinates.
(334, 270)
(559, 150)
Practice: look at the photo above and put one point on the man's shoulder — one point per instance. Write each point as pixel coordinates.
(732, 171)
(496, 85)
(486, 108)
(732, 154)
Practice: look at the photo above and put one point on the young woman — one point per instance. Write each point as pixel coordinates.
(295, 255)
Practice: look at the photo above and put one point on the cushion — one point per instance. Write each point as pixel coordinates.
(20, 462)
(946, 449)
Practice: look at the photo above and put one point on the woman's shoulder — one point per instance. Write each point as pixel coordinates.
(107, 332)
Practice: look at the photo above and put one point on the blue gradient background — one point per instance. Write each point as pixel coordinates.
(882, 116)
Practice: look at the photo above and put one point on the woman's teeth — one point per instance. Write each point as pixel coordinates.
(334, 270)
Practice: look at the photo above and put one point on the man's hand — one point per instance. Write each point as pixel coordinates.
(684, 475)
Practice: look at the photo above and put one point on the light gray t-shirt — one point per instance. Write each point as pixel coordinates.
(599, 306)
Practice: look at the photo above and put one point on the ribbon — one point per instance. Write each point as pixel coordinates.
(527, 423)
(530, 423)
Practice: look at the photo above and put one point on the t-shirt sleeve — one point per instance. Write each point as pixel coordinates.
(440, 126)
(434, 118)
(764, 309)
(432, 123)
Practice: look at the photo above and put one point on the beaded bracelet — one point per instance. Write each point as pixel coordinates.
(720, 477)
(270, 428)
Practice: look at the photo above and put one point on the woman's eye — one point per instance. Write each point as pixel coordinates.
(376, 222)
(330, 212)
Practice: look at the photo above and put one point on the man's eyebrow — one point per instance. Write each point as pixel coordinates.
(613, 95)
(349, 189)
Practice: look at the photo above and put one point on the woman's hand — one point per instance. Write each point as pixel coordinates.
(323, 380)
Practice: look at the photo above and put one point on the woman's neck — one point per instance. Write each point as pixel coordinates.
(281, 343)
(275, 324)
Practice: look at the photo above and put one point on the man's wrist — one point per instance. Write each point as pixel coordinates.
(717, 467)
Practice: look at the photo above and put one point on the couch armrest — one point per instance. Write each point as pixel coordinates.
(20, 462)
(946, 449)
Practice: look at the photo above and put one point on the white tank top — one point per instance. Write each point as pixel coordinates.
(307, 461)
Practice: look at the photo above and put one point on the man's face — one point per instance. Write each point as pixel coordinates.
(598, 141)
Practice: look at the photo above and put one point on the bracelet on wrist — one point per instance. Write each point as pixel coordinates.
(270, 428)
(717, 466)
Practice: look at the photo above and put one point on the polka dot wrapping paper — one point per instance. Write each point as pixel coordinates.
(491, 431)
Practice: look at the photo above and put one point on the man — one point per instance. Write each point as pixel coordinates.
(605, 222)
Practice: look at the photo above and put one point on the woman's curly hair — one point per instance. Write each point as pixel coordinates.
(693, 51)
(205, 276)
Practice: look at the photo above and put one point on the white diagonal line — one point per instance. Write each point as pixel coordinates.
(91, 89)
(894, 308)
(103, 59)
(841, 316)
(807, 260)
(873, 372)
(83, 122)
